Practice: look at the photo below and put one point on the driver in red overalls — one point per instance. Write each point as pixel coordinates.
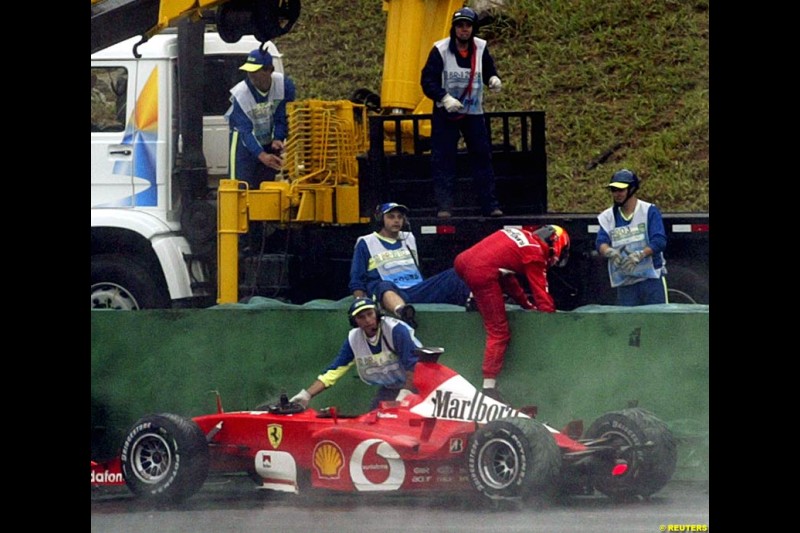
(490, 269)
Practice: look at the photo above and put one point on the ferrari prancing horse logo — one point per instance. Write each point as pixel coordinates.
(275, 434)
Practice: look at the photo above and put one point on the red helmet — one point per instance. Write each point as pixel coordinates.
(558, 239)
(560, 247)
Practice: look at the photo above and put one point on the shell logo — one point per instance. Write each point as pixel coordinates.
(328, 459)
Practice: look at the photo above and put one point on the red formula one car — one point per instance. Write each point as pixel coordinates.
(446, 437)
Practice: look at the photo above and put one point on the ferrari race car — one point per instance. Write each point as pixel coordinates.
(446, 437)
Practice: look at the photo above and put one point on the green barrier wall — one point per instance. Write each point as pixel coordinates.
(571, 365)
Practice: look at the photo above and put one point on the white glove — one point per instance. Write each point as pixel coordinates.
(302, 397)
(613, 256)
(495, 84)
(451, 104)
(402, 394)
(630, 262)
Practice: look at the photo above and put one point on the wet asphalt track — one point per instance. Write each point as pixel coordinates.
(235, 505)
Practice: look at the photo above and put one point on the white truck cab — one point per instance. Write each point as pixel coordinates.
(141, 257)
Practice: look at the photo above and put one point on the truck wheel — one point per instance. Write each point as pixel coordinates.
(165, 458)
(684, 286)
(119, 282)
(513, 458)
(644, 443)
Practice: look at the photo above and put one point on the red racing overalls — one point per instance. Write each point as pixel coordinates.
(489, 268)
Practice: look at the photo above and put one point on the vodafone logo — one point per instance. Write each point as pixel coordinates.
(376, 466)
(106, 477)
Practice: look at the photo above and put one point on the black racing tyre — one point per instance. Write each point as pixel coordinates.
(165, 458)
(120, 282)
(645, 443)
(513, 458)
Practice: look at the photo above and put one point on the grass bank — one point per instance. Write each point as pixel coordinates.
(624, 83)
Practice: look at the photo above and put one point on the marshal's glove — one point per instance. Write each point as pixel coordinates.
(630, 262)
(613, 256)
(302, 397)
(495, 84)
(451, 104)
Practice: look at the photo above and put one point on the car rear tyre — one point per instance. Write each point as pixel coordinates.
(513, 458)
(644, 443)
(165, 458)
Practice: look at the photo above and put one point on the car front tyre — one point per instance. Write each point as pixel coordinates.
(165, 458)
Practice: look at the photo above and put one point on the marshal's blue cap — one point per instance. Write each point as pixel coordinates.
(361, 304)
